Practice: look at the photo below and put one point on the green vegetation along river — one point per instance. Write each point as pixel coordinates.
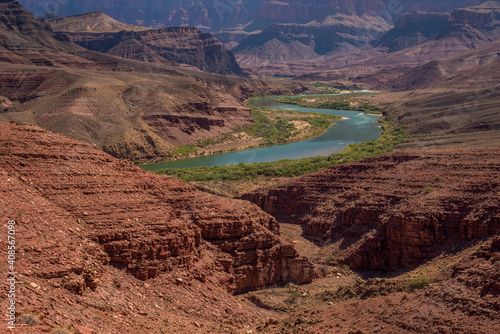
(356, 127)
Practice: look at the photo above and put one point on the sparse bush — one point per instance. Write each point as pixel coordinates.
(330, 258)
(293, 297)
(184, 150)
(427, 189)
(345, 267)
(419, 283)
(273, 132)
(61, 331)
(294, 293)
(320, 122)
(29, 319)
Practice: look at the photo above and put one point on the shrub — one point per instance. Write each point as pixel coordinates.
(61, 331)
(330, 258)
(419, 283)
(293, 297)
(29, 319)
(427, 189)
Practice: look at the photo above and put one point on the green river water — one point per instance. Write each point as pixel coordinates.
(357, 128)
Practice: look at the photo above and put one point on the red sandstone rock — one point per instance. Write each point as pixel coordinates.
(463, 298)
(91, 224)
(394, 210)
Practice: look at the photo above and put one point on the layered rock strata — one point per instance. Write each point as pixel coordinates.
(184, 45)
(412, 29)
(131, 109)
(394, 210)
(463, 298)
(119, 215)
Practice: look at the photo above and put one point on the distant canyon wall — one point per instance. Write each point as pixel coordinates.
(184, 45)
(218, 14)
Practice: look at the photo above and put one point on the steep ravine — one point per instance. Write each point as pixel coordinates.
(394, 210)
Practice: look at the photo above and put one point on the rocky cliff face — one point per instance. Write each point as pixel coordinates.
(464, 286)
(481, 22)
(281, 43)
(412, 29)
(306, 10)
(184, 45)
(219, 14)
(90, 22)
(470, 42)
(25, 39)
(102, 245)
(292, 53)
(464, 47)
(394, 210)
(201, 13)
(399, 7)
(284, 53)
(181, 45)
(143, 224)
(474, 17)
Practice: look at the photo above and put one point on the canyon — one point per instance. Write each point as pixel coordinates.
(412, 29)
(107, 247)
(232, 14)
(131, 109)
(403, 242)
(394, 210)
(417, 38)
(121, 226)
(272, 37)
(284, 43)
(461, 299)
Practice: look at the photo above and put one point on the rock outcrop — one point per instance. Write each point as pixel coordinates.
(336, 34)
(412, 29)
(93, 22)
(148, 224)
(468, 29)
(135, 221)
(24, 39)
(466, 46)
(203, 13)
(394, 210)
(399, 7)
(282, 53)
(417, 37)
(102, 245)
(184, 45)
(308, 10)
(462, 298)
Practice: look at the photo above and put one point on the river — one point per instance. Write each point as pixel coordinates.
(356, 128)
